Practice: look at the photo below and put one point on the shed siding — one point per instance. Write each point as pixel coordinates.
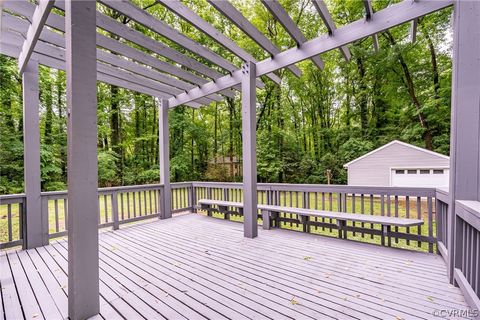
(374, 170)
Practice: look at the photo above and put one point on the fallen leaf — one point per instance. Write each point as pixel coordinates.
(307, 258)
(293, 301)
(35, 315)
(430, 298)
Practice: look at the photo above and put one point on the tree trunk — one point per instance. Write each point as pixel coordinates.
(408, 81)
(363, 96)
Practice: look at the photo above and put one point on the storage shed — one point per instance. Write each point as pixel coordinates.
(399, 164)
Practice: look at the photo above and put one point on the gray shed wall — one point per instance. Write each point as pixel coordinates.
(374, 170)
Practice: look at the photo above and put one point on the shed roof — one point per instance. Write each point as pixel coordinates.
(401, 143)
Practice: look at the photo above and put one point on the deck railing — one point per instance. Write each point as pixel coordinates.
(418, 203)
(467, 250)
(117, 206)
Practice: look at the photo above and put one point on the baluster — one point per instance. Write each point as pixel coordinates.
(150, 202)
(430, 223)
(145, 212)
(419, 216)
(121, 206)
(330, 204)
(353, 211)
(362, 211)
(57, 227)
(21, 220)
(105, 207)
(114, 201)
(139, 193)
(9, 221)
(407, 210)
(371, 213)
(65, 213)
(396, 216)
(128, 204)
(134, 204)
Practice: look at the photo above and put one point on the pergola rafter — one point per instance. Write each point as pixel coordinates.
(236, 17)
(387, 18)
(330, 24)
(279, 13)
(369, 17)
(190, 16)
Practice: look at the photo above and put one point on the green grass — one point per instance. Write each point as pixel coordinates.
(180, 199)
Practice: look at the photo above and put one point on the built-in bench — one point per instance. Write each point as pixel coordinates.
(270, 215)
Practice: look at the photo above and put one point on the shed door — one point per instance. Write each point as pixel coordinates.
(435, 178)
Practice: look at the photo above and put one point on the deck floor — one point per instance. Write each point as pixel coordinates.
(196, 267)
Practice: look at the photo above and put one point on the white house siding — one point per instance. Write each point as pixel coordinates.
(375, 169)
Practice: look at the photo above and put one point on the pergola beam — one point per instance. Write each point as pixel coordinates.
(369, 17)
(36, 26)
(330, 24)
(236, 17)
(387, 18)
(279, 13)
(188, 15)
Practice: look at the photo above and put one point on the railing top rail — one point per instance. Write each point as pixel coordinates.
(469, 211)
(400, 191)
(12, 196)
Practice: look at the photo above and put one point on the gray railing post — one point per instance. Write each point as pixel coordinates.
(115, 210)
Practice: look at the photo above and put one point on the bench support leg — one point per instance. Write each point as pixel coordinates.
(226, 215)
(266, 220)
(386, 234)
(305, 223)
(342, 233)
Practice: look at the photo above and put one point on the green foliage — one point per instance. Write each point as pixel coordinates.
(306, 126)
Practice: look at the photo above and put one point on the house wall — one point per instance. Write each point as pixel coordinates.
(374, 170)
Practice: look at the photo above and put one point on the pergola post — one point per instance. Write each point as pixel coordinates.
(164, 148)
(465, 121)
(81, 74)
(36, 222)
(249, 140)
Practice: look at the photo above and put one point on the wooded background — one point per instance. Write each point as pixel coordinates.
(305, 126)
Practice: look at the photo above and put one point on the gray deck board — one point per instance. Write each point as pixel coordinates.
(196, 267)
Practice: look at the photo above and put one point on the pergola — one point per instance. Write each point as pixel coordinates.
(35, 35)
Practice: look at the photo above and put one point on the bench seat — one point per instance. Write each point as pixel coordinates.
(271, 215)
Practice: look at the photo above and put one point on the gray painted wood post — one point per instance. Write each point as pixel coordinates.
(166, 203)
(81, 74)
(249, 139)
(465, 124)
(35, 230)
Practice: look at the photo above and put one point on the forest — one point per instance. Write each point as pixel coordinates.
(306, 126)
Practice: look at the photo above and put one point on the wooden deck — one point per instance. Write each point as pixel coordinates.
(195, 267)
